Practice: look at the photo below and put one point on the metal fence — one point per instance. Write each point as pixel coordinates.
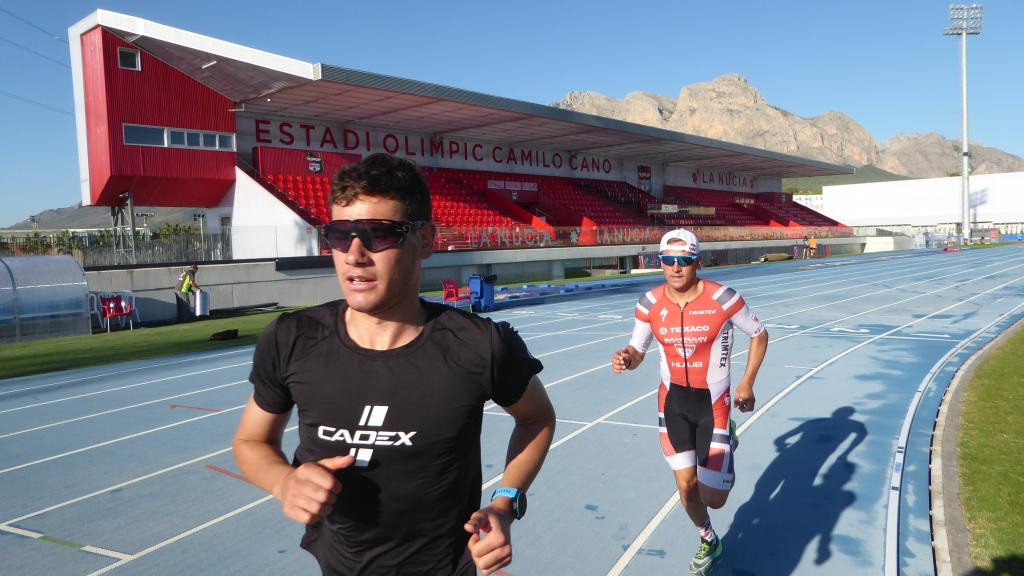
(101, 248)
(93, 249)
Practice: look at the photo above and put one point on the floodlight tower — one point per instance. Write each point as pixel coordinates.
(964, 20)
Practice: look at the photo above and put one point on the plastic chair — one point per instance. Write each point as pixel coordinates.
(115, 307)
(129, 299)
(451, 294)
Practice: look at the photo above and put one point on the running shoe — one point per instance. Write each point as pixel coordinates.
(706, 557)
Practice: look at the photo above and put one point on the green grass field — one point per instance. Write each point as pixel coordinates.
(27, 358)
(80, 351)
(991, 467)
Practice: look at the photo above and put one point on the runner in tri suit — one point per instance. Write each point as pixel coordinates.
(692, 321)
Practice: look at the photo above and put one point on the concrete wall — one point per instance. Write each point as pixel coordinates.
(255, 283)
(229, 285)
(888, 243)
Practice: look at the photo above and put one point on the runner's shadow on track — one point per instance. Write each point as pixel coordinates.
(790, 507)
(1002, 566)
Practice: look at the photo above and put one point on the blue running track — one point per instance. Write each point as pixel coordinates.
(126, 469)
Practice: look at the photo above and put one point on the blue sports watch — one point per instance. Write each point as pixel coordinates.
(518, 498)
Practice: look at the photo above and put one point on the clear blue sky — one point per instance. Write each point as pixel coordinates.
(886, 64)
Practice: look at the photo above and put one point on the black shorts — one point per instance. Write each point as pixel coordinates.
(695, 432)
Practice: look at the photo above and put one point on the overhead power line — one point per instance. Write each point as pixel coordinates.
(36, 103)
(31, 51)
(57, 37)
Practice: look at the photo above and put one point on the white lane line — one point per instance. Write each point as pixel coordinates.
(558, 420)
(116, 440)
(798, 367)
(859, 273)
(775, 399)
(799, 274)
(67, 544)
(746, 284)
(566, 331)
(922, 295)
(521, 333)
(579, 431)
(36, 405)
(216, 520)
(121, 485)
(641, 538)
(946, 273)
(105, 552)
(644, 535)
(926, 335)
(585, 344)
(520, 314)
(892, 513)
(185, 534)
(111, 411)
(150, 476)
(22, 532)
(105, 374)
(241, 509)
(796, 312)
(491, 404)
(631, 424)
(584, 423)
(773, 340)
(970, 268)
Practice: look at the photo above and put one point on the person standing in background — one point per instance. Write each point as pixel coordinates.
(186, 285)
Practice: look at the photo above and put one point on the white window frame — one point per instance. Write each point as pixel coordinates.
(126, 143)
(186, 146)
(138, 59)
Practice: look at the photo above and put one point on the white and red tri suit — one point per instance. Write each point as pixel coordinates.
(694, 397)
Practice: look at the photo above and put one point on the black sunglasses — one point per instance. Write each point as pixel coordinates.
(375, 235)
(683, 261)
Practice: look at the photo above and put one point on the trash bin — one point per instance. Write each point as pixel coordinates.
(202, 303)
(481, 292)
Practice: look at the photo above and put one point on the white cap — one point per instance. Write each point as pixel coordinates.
(690, 243)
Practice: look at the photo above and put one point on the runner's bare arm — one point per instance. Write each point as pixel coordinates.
(744, 398)
(308, 492)
(531, 437)
(527, 448)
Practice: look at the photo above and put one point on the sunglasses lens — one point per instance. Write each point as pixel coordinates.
(375, 235)
(338, 235)
(683, 261)
(385, 236)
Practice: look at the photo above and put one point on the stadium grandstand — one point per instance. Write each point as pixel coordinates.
(250, 140)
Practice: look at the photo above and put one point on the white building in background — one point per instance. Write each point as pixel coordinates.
(997, 201)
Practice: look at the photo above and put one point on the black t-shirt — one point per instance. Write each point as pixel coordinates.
(412, 418)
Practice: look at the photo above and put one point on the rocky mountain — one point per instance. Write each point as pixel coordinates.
(729, 108)
(931, 155)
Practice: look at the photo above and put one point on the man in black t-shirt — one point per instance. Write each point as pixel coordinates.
(389, 391)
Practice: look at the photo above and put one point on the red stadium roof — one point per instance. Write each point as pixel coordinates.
(263, 83)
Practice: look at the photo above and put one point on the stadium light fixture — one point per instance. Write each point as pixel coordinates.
(964, 20)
